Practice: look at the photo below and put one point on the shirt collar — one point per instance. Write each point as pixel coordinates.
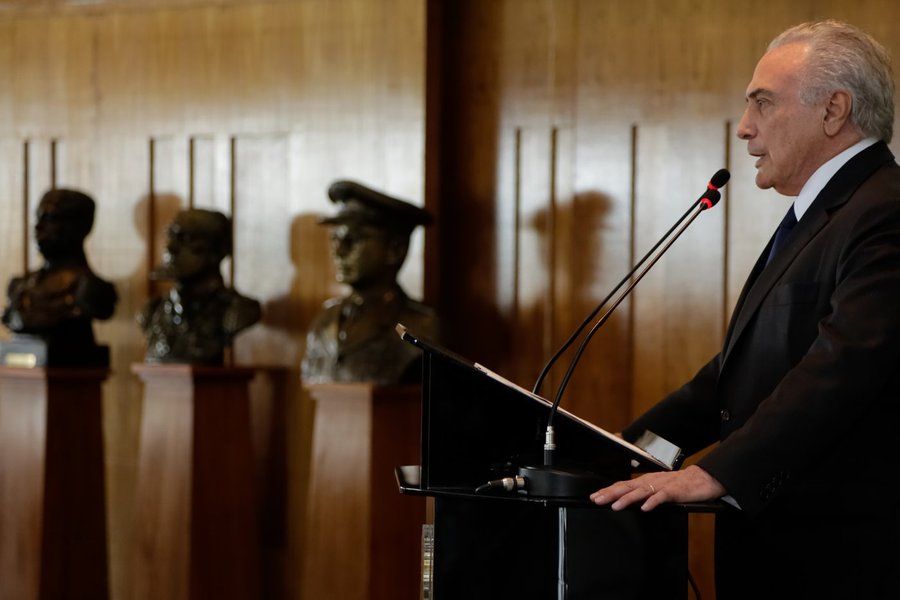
(823, 175)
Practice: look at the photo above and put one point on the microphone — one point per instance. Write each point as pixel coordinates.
(548, 481)
(717, 181)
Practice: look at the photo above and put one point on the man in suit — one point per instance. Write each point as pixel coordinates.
(804, 396)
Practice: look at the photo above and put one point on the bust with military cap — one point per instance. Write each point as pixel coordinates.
(353, 338)
(200, 316)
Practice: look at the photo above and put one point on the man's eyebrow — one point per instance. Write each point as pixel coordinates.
(757, 93)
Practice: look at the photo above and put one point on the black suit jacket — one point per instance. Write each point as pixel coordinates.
(804, 397)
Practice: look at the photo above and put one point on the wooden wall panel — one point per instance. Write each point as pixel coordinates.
(262, 239)
(678, 303)
(170, 168)
(210, 173)
(39, 174)
(530, 325)
(14, 238)
(594, 240)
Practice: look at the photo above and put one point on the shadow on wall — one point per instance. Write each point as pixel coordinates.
(309, 248)
(571, 250)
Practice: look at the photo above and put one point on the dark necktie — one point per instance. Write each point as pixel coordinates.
(782, 234)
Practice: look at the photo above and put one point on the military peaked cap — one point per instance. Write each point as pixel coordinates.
(360, 204)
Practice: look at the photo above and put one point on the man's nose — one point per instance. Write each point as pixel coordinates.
(744, 129)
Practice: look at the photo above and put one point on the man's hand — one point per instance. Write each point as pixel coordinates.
(693, 484)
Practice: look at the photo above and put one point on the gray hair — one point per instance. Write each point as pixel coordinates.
(843, 57)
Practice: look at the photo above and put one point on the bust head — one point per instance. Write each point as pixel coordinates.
(64, 219)
(198, 241)
(370, 235)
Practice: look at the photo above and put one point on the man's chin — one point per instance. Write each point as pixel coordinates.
(763, 182)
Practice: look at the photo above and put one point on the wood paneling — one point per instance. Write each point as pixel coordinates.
(251, 108)
(563, 138)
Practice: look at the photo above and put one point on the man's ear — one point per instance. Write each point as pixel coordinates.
(837, 112)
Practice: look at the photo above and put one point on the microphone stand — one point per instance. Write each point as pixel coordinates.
(553, 481)
(548, 459)
(546, 370)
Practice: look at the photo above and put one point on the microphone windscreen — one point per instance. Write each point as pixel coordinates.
(710, 198)
(719, 179)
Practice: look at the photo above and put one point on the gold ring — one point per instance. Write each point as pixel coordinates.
(652, 489)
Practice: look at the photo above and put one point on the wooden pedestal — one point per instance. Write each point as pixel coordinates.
(196, 530)
(363, 537)
(52, 501)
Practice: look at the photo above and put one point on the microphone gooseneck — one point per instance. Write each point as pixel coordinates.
(717, 181)
(707, 200)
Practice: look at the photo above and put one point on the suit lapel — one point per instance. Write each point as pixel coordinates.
(763, 278)
(835, 193)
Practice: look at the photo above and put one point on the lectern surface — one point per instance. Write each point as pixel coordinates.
(477, 427)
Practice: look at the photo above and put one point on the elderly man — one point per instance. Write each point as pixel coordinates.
(805, 394)
(353, 339)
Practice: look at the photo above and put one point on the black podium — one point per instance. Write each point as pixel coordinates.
(478, 427)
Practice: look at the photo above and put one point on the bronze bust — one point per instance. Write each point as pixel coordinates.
(51, 310)
(198, 318)
(353, 338)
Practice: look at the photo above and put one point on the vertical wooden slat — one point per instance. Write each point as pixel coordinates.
(552, 245)
(151, 227)
(516, 287)
(26, 205)
(191, 161)
(726, 210)
(53, 166)
(232, 201)
(529, 327)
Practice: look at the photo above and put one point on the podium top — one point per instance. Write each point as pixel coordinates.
(476, 422)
